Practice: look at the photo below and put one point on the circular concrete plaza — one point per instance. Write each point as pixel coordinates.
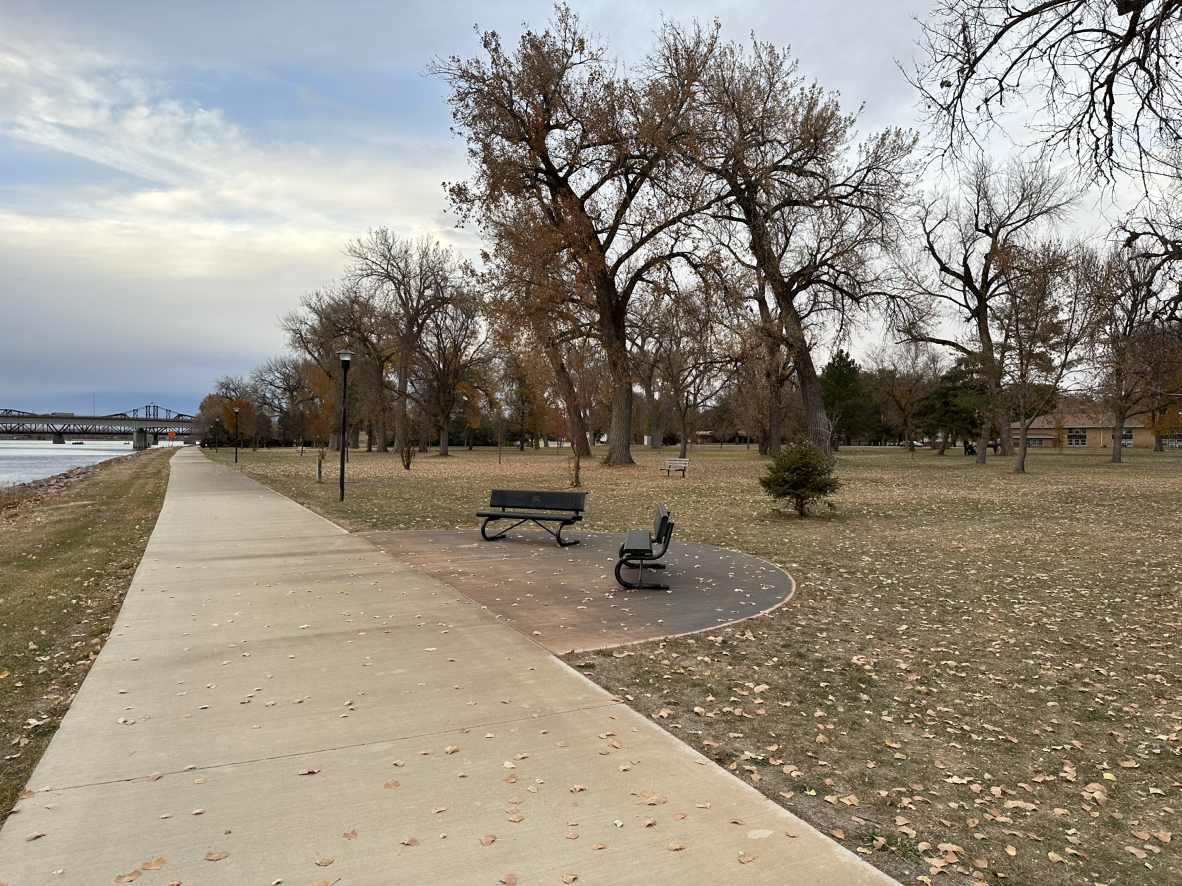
(567, 599)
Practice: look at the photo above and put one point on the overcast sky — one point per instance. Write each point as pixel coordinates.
(175, 175)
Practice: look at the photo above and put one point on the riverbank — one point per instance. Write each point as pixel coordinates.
(69, 546)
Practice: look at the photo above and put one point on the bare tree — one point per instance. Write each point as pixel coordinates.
(1104, 76)
(1134, 302)
(1047, 322)
(798, 200)
(959, 277)
(453, 346)
(400, 286)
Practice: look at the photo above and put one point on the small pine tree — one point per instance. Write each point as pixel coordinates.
(802, 473)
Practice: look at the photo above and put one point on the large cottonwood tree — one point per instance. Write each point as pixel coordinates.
(554, 124)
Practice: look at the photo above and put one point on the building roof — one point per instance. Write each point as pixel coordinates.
(1078, 420)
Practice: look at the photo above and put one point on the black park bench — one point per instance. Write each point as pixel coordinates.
(537, 506)
(641, 547)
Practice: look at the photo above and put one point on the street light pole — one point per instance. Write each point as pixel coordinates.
(216, 422)
(346, 356)
(235, 435)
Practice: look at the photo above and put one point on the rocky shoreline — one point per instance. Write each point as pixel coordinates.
(25, 494)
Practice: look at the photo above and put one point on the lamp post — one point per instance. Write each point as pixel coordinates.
(216, 423)
(235, 435)
(346, 356)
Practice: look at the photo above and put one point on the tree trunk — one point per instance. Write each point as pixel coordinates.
(619, 434)
(1158, 445)
(570, 400)
(684, 415)
(444, 427)
(944, 442)
(1118, 432)
(369, 436)
(983, 444)
(1020, 461)
(1005, 433)
(775, 417)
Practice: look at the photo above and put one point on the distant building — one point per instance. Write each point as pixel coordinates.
(1083, 431)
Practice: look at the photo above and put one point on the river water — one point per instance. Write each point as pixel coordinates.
(25, 460)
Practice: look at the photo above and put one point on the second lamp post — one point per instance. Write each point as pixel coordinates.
(346, 355)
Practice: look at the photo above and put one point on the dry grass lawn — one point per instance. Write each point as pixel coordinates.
(66, 561)
(979, 676)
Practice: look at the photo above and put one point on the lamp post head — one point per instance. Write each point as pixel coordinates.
(235, 410)
(346, 355)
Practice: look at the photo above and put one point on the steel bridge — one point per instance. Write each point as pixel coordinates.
(142, 424)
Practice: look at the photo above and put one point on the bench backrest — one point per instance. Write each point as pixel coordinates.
(677, 462)
(549, 500)
(662, 526)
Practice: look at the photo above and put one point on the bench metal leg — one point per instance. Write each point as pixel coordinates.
(639, 584)
(557, 533)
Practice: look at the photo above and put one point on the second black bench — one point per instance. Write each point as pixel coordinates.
(641, 547)
(536, 506)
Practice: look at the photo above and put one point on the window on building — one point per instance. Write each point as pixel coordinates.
(1172, 441)
(1126, 438)
(1077, 436)
(1035, 441)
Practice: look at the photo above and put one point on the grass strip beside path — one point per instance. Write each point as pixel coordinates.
(66, 560)
(979, 678)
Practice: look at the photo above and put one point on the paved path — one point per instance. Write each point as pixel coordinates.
(567, 598)
(281, 702)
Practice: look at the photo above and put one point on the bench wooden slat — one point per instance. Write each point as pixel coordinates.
(540, 499)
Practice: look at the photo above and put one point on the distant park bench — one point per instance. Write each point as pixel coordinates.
(676, 464)
(537, 506)
(642, 547)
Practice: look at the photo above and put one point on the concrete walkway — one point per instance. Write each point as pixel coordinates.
(281, 703)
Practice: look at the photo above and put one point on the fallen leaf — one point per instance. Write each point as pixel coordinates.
(679, 816)
(578, 788)
(153, 865)
(350, 835)
(569, 878)
(411, 841)
(438, 809)
(324, 862)
(36, 835)
(215, 856)
(508, 879)
(391, 784)
(837, 832)
(450, 749)
(127, 878)
(738, 821)
(155, 776)
(308, 771)
(599, 846)
(198, 812)
(1010, 850)
(26, 795)
(1137, 852)
(1056, 858)
(747, 857)
(702, 805)
(649, 823)
(488, 840)
(516, 818)
(1164, 836)
(676, 847)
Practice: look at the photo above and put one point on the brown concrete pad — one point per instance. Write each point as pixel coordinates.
(568, 600)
